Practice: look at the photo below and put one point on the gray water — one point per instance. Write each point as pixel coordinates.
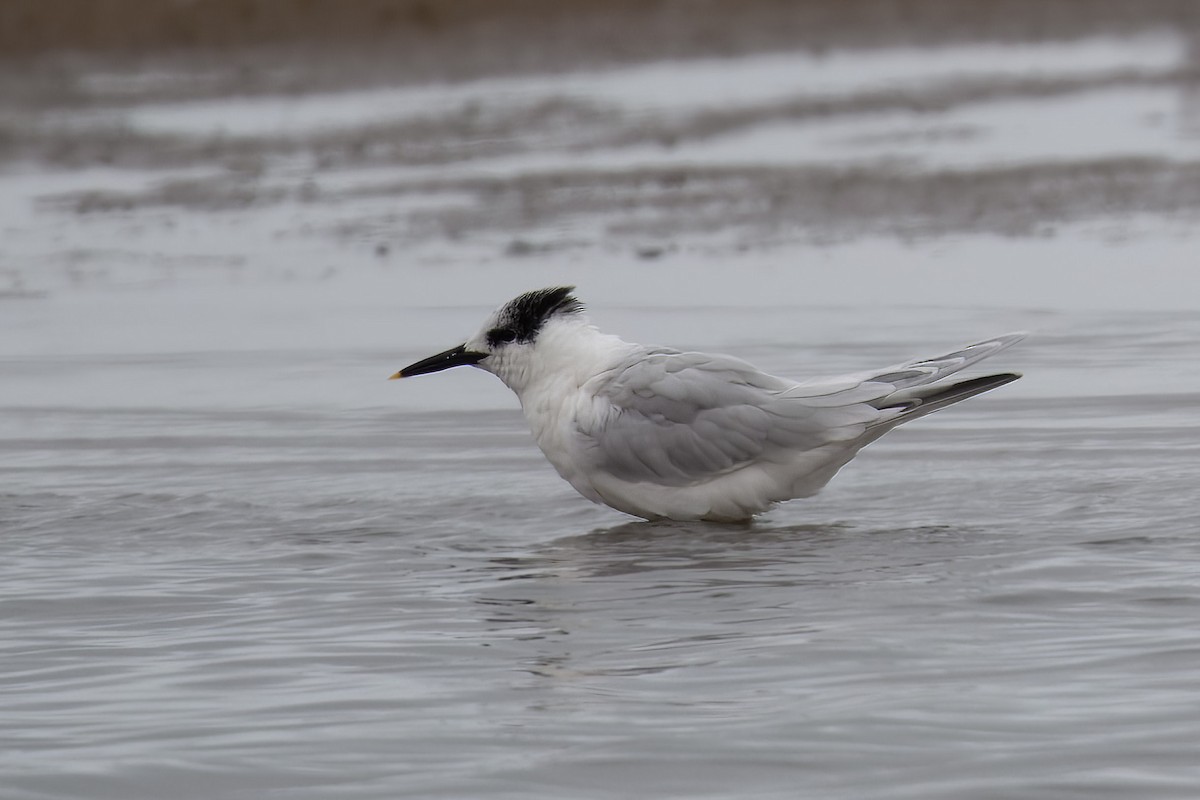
(235, 562)
(999, 601)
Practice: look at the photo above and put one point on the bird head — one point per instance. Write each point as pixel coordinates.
(508, 343)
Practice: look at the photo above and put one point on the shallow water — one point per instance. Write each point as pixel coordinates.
(236, 562)
(370, 602)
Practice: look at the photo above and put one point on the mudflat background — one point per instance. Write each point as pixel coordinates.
(235, 561)
(462, 131)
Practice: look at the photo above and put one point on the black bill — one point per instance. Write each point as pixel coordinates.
(454, 357)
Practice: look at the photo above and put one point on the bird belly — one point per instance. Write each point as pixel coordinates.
(729, 498)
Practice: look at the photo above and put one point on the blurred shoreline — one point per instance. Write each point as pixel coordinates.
(449, 39)
(150, 142)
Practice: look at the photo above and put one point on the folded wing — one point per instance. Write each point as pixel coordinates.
(677, 419)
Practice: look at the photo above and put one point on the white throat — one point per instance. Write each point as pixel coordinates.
(568, 351)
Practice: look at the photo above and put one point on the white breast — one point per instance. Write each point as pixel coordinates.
(552, 412)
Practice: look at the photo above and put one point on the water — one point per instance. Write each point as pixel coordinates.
(238, 563)
(376, 602)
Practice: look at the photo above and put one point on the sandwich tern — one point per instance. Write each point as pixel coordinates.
(659, 433)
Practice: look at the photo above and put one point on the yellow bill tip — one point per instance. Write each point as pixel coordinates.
(396, 377)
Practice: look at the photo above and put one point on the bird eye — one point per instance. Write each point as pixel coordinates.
(498, 335)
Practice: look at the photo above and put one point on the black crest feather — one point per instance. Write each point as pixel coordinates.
(524, 316)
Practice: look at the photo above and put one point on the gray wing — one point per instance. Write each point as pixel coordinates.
(919, 372)
(678, 419)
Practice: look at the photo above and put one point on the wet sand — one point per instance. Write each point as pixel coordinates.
(936, 122)
(472, 37)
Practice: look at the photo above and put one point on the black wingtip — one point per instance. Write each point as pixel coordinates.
(956, 392)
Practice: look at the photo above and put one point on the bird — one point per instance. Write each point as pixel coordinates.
(660, 433)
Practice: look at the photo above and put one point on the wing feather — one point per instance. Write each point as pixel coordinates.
(669, 419)
(928, 370)
(682, 418)
(677, 419)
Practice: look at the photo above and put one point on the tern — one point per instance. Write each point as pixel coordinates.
(661, 433)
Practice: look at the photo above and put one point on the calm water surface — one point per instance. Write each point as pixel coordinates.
(999, 601)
